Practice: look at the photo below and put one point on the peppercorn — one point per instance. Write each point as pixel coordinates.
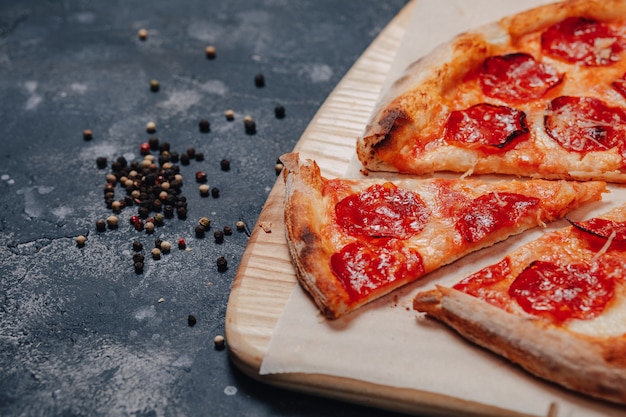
(228, 230)
(101, 225)
(215, 192)
(279, 112)
(204, 190)
(149, 227)
(138, 226)
(101, 162)
(166, 246)
(222, 264)
(138, 267)
(154, 85)
(278, 168)
(138, 257)
(158, 219)
(181, 243)
(144, 148)
(184, 159)
(116, 206)
(80, 241)
(168, 211)
(137, 246)
(191, 320)
(87, 134)
(156, 253)
(143, 34)
(210, 52)
(219, 342)
(199, 156)
(199, 231)
(157, 243)
(164, 146)
(219, 236)
(174, 157)
(201, 176)
(259, 80)
(249, 125)
(225, 165)
(230, 115)
(205, 222)
(240, 225)
(150, 127)
(112, 222)
(181, 213)
(204, 126)
(143, 212)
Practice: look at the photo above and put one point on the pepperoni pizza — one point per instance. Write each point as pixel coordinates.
(352, 241)
(539, 94)
(556, 306)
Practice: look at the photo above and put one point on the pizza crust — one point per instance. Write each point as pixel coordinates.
(591, 365)
(417, 104)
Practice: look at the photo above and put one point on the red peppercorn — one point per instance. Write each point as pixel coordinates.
(181, 243)
(144, 148)
(201, 176)
(134, 219)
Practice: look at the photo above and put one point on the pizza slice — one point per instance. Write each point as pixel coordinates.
(538, 94)
(352, 241)
(556, 306)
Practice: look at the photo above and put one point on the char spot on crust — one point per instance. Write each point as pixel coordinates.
(387, 122)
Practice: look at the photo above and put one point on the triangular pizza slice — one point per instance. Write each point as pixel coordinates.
(556, 306)
(539, 94)
(354, 240)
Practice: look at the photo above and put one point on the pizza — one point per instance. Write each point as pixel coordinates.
(538, 94)
(354, 240)
(555, 306)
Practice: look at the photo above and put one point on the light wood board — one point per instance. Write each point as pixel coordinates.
(266, 278)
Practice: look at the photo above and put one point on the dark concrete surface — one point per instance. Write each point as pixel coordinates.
(81, 333)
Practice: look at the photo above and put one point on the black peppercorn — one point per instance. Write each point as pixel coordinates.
(168, 211)
(138, 267)
(174, 157)
(191, 320)
(222, 264)
(199, 156)
(154, 85)
(228, 230)
(184, 159)
(143, 212)
(87, 134)
(204, 125)
(137, 246)
(199, 231)
(259, 80)
(157, 243)
(164, 146)
(181, 213)
(101, 162)
(154, 143)
(101, 225)
(250, 126)
(219, 236)
(215, 192)
(138, 257)
(279, 112)
(225, 164)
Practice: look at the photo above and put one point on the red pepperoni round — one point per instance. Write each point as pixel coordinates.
(382, 211)
(480, 284)
(485, 126)
(363, 267)
(603, 228)
(585, 124)
(581, 40)
(561, 292)
(491, 212)
(517, 77)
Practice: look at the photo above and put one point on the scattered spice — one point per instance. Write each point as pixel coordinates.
(222, 264)
(191, 320)
(199, 156)
(278, 168)
(259, 80)
(149, 226)
(219, 342)
(199, 231)
(249, 125)
(116, 206)
(161, 300)
(154, 85)
(112, 222)
(219, 236)
(225, 165)
(279, 112)
(215, 192)
(201, 176)
(87, 134)
(138, 267)
(230, 115)
(228, 230)
(166, 246)
(204, 190)
(101, 225)
(150, 127)
(143, 34)
(80, 241)
(204, 126)
(210, 52)
(101, 162)
(241, 226)
(156, 253)
(138, 257)
(154, 143)
(181, 243)
(205, 222)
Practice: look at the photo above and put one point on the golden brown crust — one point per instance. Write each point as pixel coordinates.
(583, 355)
(418, 103)
(313, 236)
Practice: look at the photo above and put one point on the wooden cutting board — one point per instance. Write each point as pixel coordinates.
(266, 278)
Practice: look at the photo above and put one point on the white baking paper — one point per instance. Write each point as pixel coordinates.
(387, 342)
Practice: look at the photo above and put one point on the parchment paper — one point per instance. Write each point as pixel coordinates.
(386, 342)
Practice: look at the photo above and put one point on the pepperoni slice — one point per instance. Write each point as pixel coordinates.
(581, 40)
(382, 211)
(561, 292)
(485, 126)
(481, 283)
(517, 77)
(603, 228)
(363, 266)
(585, 124)
(491, 212)
(619, 85)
